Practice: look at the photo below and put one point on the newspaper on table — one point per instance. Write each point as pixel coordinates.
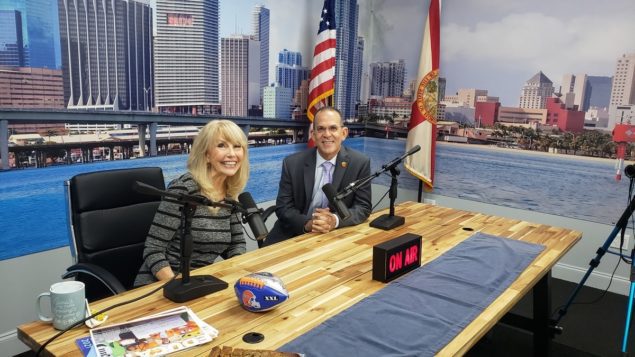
(156, 335)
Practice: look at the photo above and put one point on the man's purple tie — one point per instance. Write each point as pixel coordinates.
(327, 176)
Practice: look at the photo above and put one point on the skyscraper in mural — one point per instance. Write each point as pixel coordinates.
(598, 93)
(11, 39)
(586, 91)
(622, 103)
(186, 56)
(261, 33)
(40, 31)
(240, 73)
(535, 92)
(276, 102)
(31, 87)
(346, 90)
(289, 71)
(290, 57)
(356, 87)
(623, 91)
(573, 91)
(387, 78)
(106, 54)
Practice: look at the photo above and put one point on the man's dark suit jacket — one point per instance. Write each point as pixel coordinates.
(296, 190)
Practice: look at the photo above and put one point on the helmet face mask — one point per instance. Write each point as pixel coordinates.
(260, 291)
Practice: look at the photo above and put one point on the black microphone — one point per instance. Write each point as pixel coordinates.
(340, 206)
(413, 150)
(253, 216)
(396, 161)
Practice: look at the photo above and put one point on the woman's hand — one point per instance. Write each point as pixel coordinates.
(165, 273)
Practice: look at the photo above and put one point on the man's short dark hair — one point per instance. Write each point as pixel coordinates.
(332, 109)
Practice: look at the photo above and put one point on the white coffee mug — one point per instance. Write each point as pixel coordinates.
(68, 304)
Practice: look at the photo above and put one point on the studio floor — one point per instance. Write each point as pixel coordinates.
(588, 329)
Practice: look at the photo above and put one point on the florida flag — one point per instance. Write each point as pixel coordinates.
(322, 83)
(422, 129)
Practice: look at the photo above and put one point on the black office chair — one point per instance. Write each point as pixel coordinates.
(108, 225)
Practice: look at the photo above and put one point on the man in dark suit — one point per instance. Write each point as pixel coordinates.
(301, 206)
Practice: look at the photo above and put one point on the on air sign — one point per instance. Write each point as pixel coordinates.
(396, 257)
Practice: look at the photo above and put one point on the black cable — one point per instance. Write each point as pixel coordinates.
(244, 229)
(381, 199)
(621, 256)
(596, 299)
(247, 234)
(629, 197)
(39, 351)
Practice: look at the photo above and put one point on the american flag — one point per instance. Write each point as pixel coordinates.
(322, 84)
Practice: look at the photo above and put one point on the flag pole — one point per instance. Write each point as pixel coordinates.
(422, 128)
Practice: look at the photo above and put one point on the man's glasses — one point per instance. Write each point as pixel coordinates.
(331, 129)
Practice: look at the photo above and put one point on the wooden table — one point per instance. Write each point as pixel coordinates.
(328, 273)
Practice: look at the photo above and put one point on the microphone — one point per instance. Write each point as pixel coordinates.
(340, 207)
(253, 215)
(396, 161)
(413, 150)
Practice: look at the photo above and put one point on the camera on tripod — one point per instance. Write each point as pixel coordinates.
(629, 171)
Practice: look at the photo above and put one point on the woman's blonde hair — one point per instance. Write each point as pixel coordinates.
(198, 166)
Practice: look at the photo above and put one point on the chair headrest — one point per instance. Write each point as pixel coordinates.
(113, 188)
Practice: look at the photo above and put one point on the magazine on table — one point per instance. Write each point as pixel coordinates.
(158, 334)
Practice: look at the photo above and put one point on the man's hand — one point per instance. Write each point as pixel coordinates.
(323, 221)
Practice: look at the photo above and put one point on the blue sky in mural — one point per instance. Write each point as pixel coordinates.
(498, 45)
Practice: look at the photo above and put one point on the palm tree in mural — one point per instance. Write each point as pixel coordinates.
(538, 138)
(594, 142)
(608, 149)
(49, 133)
(531, 135)
(567, 142)
(545, 142)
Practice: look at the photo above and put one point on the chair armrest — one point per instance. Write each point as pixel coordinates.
(97, 272)
(267, 212)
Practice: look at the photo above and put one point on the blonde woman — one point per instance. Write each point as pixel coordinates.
(218, 168)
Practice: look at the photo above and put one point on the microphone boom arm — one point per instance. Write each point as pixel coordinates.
(357, 184)
(197, 200)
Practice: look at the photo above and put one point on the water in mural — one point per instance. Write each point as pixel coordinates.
(33, 215)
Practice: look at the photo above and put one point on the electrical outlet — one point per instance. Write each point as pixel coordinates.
(627, 242)
(429, 201)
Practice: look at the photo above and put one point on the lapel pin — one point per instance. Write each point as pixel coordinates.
(344, 164)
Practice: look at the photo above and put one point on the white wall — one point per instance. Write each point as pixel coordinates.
(23, 278)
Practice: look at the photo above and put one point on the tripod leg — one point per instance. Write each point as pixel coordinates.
(629, 312)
